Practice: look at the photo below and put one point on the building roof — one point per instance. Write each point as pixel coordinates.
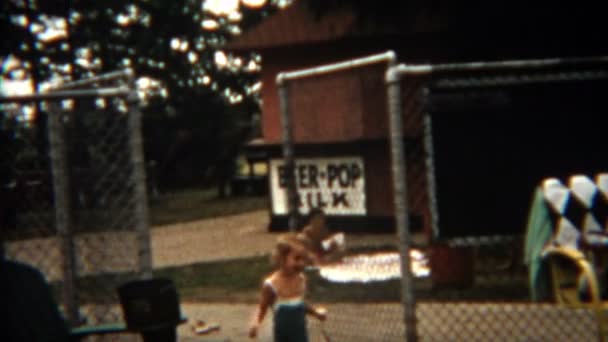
(301, 24)
(296, 24)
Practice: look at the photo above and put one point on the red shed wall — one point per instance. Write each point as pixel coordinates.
(379, 183)
(346, 107)
(326, 108)
(341, 106)
(271, 117)
(374, 105)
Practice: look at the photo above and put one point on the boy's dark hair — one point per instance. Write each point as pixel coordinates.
(314, 212)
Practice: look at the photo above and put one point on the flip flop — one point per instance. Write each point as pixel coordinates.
(203, 328)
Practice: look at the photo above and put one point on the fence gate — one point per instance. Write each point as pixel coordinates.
(73, 191)
(466, 145)
(492, 132)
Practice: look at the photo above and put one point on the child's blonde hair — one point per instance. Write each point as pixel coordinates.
(285, 244)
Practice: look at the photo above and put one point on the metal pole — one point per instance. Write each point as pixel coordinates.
(400, 200)
(393, 80)
(430, 173)
(125, 74)
(139, 181)
(288, 155)
(68, 94)
(517, 64)
(58, 155)
(388, 56)
(536, 64)
(286, 120)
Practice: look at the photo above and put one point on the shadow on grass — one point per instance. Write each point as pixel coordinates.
(236, 280)
(177, 207)
(239, 281)
(195, 204)
(222, 281)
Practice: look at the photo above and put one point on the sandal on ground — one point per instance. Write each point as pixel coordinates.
(203, 328)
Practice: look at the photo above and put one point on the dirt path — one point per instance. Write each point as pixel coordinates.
(436, 322)
(222, 238)
(228, 237)
(245, 235)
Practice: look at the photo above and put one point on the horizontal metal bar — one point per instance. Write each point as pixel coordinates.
(126, 73)
(463, 81)
(388, 56)
(395, 73)
(517, 64)
(68, 94)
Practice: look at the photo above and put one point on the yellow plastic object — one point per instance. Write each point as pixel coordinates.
(575, 284)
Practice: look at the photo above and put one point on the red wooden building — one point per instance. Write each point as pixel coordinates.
(341, 120)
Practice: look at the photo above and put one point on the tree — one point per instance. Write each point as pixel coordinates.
(166, 43)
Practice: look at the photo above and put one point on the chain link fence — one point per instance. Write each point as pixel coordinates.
(335, 159)
(74, 200)
(469, 141)
(492, 133)
(469, 144)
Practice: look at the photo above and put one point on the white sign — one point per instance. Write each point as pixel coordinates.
(335, 184)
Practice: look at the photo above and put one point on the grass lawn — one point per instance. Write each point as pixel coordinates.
(238, 280)
(223, 281)
(220, 281)
(174, 207)
(195, 204)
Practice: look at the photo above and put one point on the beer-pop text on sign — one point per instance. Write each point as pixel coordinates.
(335, 184)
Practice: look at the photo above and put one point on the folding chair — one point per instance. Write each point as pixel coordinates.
(575, 284)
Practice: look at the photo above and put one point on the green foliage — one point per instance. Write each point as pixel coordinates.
(135, 33)
(161, 40)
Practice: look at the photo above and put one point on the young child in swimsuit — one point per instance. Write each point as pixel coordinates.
(284, 290)
(323, 244)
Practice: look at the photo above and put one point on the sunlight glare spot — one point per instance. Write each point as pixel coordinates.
(254, 3)
(220, 58)
(175, 43)
(210, 24)
(221, 7)
(192, 57)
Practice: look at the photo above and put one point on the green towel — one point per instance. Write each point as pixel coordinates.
(538, 234)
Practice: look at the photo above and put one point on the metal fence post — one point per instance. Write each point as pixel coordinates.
(400, 200)
(430, 171)
(388, 57)
(288, 154)
(139, 182)
(63, 219)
